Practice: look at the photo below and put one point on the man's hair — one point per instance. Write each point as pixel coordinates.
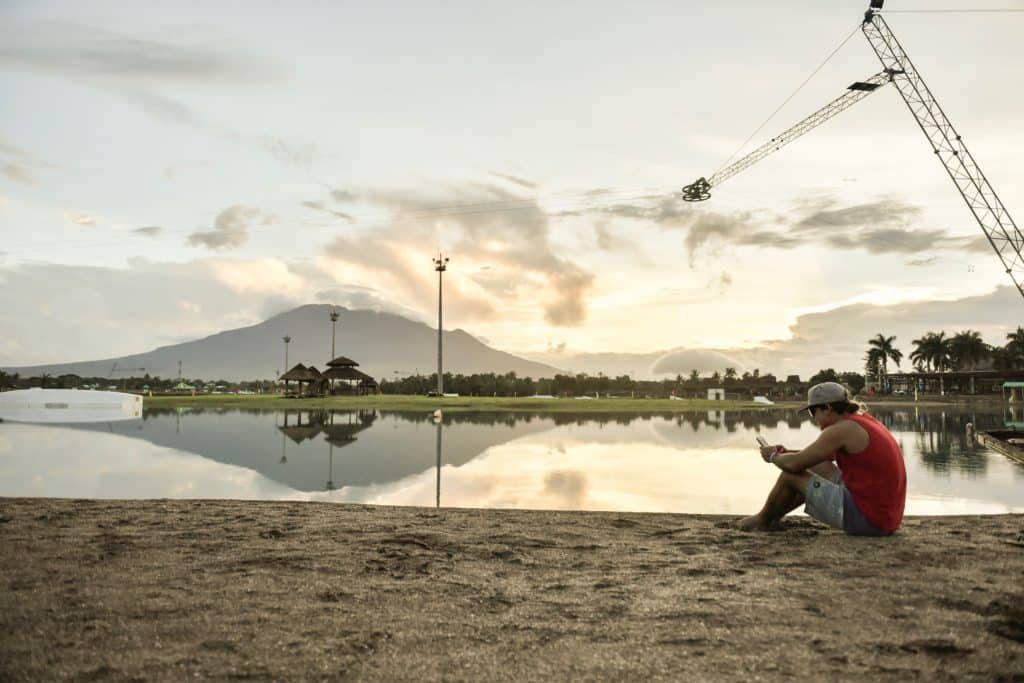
(844, 407)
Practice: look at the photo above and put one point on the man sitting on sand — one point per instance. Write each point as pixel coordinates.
(863, 496)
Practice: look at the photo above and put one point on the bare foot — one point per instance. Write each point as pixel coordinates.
(752, 523)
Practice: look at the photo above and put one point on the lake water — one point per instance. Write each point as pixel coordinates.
(694, 462)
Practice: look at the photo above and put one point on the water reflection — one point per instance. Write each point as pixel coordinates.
(692, 462)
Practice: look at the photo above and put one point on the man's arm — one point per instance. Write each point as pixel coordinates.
(823, 448)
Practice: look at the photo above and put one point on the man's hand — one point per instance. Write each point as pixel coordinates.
(768, 453)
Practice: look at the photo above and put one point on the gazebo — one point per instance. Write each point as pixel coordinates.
(300, 373)
(344, 369)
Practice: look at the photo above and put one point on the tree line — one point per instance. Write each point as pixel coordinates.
(936, 352)
(155, 384)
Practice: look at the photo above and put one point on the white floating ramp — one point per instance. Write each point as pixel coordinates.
(68, 405)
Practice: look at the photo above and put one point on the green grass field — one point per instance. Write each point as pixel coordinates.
(462, 403)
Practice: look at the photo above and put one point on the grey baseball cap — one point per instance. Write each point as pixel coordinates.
(826, 392)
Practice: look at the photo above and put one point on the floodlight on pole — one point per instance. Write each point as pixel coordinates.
(440, 265)
(334, 324)
(287, 339)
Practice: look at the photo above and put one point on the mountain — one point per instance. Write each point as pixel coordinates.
(382, 343)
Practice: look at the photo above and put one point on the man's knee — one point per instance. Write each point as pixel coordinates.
(795, 480)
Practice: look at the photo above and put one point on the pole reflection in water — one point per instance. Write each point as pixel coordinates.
(330, 467)
(437, 499)
(437, 451)
(330, 449)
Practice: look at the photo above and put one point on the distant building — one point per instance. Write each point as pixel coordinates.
(716, 394)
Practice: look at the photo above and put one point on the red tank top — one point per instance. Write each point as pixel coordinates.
(876, 476)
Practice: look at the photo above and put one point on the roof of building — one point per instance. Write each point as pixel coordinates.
(300, 373)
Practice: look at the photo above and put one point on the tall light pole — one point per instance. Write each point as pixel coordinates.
(287, 339)
(334, 324)
(440, 265)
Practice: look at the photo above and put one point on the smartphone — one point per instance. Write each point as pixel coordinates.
(761, 441)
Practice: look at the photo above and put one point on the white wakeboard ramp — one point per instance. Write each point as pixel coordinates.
(68, 405)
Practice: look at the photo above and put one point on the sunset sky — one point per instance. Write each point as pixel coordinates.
(167, 172)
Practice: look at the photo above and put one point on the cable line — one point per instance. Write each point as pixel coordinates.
(948, 11)
(799, 88)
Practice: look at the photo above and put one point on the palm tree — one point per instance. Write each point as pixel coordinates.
(967, 349)
(694, 376)
(1002, 358)
(872, 363)
(1015, 346)
(883, 345)
(933, 350)
(730, 374)
(920, 355)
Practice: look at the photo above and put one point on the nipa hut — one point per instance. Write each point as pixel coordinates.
(301, 375)
(343, 369)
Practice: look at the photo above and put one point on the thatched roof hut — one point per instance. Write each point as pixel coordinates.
(342, 361)
(344, 372)
(300, 373)
(300, 433)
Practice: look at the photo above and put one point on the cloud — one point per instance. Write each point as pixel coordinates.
(365, 298)
(277, 304)
(557, 349)
(570, 486)
(79, 218)
(500, 283)
(265, 276)
(301, 155)
(570, 283)
(97, 54)
(162, 108)
(230, 229)
(887, 212)
(320, 206)
(885, 226)
(521, 182)
(137, 69)
(682, 362)
(53, 313)
(606, 240)
(838, 337)
(19, 166)
(148, 231)
(342, 196)
(513, 242)
(18, 173)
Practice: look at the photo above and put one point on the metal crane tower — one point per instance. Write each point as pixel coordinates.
(993, 218)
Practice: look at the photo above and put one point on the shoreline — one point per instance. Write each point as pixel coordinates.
(287, 591)
(525, 404)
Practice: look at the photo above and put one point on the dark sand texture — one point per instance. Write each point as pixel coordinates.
(117, 590)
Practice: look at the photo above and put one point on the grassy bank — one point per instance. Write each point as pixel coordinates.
(541, 405)
(462, 403)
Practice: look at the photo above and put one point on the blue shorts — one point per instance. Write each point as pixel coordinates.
(829, 501)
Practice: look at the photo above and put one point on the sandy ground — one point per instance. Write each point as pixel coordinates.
(116, 590)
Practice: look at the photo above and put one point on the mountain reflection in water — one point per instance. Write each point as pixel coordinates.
(688, 462)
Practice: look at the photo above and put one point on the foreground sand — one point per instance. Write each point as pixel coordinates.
(115, 590)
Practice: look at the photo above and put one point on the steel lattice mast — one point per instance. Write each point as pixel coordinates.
(1002, 233)
(701, 188)
(999, 228)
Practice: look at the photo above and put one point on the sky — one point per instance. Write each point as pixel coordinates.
(167, 172)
